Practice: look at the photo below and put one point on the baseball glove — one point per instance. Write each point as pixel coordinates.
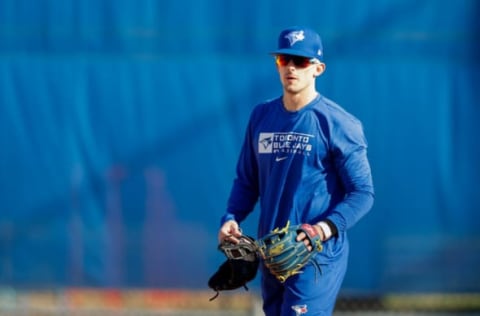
(283, 255)
(240, 267)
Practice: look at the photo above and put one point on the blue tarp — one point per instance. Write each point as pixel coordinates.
(121, 124)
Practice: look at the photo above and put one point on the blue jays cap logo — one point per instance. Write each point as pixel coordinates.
(295, 36)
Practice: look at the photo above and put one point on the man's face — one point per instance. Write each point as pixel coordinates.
(298, 73)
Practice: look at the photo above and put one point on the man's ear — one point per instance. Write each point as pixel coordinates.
(319, 70)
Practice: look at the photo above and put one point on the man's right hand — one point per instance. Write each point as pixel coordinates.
(229, 231)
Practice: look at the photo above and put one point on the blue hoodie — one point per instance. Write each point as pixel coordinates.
(303, 167)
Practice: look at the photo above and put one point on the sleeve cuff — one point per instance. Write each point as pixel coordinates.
(328, 227)
(227, 217)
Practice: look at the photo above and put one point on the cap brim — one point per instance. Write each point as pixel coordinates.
(294, 52)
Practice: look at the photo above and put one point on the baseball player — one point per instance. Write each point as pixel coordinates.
(304, 160)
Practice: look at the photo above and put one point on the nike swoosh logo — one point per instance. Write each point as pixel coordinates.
(277, 159)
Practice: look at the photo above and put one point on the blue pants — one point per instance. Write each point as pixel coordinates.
(312, 292)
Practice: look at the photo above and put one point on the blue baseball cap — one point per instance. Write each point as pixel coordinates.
(300, 41)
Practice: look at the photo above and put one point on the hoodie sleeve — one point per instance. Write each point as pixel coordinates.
(349, 148)
(245, 191)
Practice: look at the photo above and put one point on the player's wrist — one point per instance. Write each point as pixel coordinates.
(325, 230)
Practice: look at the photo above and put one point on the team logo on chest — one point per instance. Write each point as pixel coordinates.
(285, 143)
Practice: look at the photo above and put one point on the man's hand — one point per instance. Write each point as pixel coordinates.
(229, 231)
(303, 237)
